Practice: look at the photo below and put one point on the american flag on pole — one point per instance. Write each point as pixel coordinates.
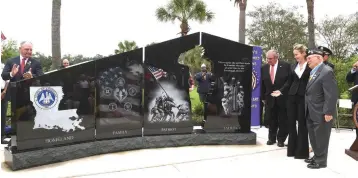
(158, 73)
(3, 37)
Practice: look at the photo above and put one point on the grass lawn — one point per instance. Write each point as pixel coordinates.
(194, 97)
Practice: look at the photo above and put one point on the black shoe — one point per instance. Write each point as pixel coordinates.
(316, 166)
(280, 144)
(270, 142)
(309, 160)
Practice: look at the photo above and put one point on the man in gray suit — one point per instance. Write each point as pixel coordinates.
(320, 105)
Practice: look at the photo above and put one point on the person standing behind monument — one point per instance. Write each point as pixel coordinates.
(203, 79)
(274, 94)
(352, 77)
(65, 63)
(326, 53)
(298, 139)
(320, 105)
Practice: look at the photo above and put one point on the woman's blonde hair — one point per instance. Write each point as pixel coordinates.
(300, 47)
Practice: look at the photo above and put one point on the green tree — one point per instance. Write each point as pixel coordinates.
(274, 27)
(125, 47)
(310, 23)
(194, 58)
(340, 34)
(9, 50)
(242, 20)
(184, 10)
(56, 34)
(46, 61)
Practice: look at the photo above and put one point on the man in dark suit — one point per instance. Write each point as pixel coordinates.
(23, 66)
(352, 77)
(274, 94)
(320, 106)
(326, 53)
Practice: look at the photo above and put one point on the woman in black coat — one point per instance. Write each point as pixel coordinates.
(300, 72)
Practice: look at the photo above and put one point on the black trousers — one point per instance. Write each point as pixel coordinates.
(277, 123)
(297, 139)
(319, 132)
(357, 132)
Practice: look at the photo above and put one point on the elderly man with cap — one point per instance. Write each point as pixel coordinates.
(203, 79)
(326, 53)
(320, 106)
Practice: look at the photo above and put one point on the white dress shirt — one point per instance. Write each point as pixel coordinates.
(275, 69)
(298, 71)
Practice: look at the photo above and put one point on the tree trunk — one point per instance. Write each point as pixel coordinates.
(184, 26)
(242, 21)
(56, 34)
(311, 31)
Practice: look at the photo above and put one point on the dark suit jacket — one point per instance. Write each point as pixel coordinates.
(321, 94)
(298, 85)
(282, 75)
(32, 64)
(353, 78)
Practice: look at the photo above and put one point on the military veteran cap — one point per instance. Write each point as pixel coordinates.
(314, 51)
(325, 50)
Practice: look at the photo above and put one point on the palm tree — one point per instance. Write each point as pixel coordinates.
(311, 31)
(126, 46)
(56, 34)
(242, 21)
(184, 10)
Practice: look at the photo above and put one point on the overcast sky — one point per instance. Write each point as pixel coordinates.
(91, 27)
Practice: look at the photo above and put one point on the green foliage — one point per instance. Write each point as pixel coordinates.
(275, 27)
(125, 47)
(194, 58)
(197, 107)
(340, 33)
(342, 67)
(46, 61)
(9, 50)
(184, 10)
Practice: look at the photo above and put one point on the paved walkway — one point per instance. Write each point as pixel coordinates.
(201, 161)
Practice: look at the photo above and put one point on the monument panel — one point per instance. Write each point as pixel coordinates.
(167, 107)
(228, 103)
(119, 95)
(54, 109)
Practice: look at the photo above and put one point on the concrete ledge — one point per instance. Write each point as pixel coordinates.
(34, 158)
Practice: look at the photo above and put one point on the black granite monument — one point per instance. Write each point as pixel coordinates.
(228, 104)
(54, 109)
(167, 107)
(98, 107)
(119, 95)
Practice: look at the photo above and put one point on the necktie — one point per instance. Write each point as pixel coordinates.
(272, 74)
(22, 65)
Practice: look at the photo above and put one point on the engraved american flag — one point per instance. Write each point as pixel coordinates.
(158, 73)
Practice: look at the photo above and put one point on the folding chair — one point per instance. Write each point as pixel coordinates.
(346, 104)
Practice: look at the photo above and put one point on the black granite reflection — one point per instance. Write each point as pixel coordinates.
(167, 108)
(228, 104)
(119, 95)
(56, 108)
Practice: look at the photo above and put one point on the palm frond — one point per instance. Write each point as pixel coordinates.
(163, 15)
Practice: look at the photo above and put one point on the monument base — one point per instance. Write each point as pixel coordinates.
(22, 160)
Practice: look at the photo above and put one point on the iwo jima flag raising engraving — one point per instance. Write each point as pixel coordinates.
(166, 103)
